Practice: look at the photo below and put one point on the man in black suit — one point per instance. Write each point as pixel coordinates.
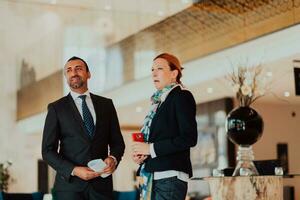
(81, 127)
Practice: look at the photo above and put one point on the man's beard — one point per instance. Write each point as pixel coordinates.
(76, 84)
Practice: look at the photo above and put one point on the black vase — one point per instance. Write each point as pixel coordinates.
(244, 127)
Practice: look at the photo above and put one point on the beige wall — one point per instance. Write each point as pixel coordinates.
(21, 40)
(280, 127)
(124, 176)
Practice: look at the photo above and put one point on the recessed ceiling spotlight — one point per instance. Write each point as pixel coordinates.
(138, 109)
(185, 1)
(209, 90)
(286, 94)
(269, 74)
(160, 13)
(107, 7)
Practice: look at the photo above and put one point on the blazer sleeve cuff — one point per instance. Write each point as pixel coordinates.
(68, 173)
(114, 158)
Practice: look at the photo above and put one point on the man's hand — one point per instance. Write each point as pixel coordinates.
(85, 173)
(141, 148)
(138, 158)
(110, 166)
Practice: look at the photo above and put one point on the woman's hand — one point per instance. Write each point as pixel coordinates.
(141, 148)
(139, 159)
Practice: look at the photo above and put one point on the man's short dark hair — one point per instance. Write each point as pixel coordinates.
(77, 58)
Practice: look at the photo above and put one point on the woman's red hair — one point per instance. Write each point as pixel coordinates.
(173, 63)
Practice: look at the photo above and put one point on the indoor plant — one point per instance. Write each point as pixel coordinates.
(4, 175)
(243, 124)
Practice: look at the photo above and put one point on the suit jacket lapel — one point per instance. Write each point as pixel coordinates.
(160, 109)
(154, 120)
(78, 117)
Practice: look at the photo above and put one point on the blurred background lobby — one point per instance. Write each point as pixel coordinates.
(119, 39)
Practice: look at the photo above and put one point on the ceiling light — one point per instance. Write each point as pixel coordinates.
(160, 13)
(53, 1)
(185, 1)
(269, 74)
(107, 7)
(138, 109)
(209, 90)
(286, 94)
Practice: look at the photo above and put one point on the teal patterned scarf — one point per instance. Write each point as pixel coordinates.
(157, 98)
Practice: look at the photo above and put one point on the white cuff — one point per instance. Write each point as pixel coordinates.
(72, 173)
(152, 152)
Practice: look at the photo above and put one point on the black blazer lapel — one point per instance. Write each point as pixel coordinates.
(161, 108)
(78, 117)
(154, 120)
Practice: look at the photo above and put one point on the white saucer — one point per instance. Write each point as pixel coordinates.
(98, 165)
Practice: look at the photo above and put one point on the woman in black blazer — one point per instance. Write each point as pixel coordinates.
(169, 132)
